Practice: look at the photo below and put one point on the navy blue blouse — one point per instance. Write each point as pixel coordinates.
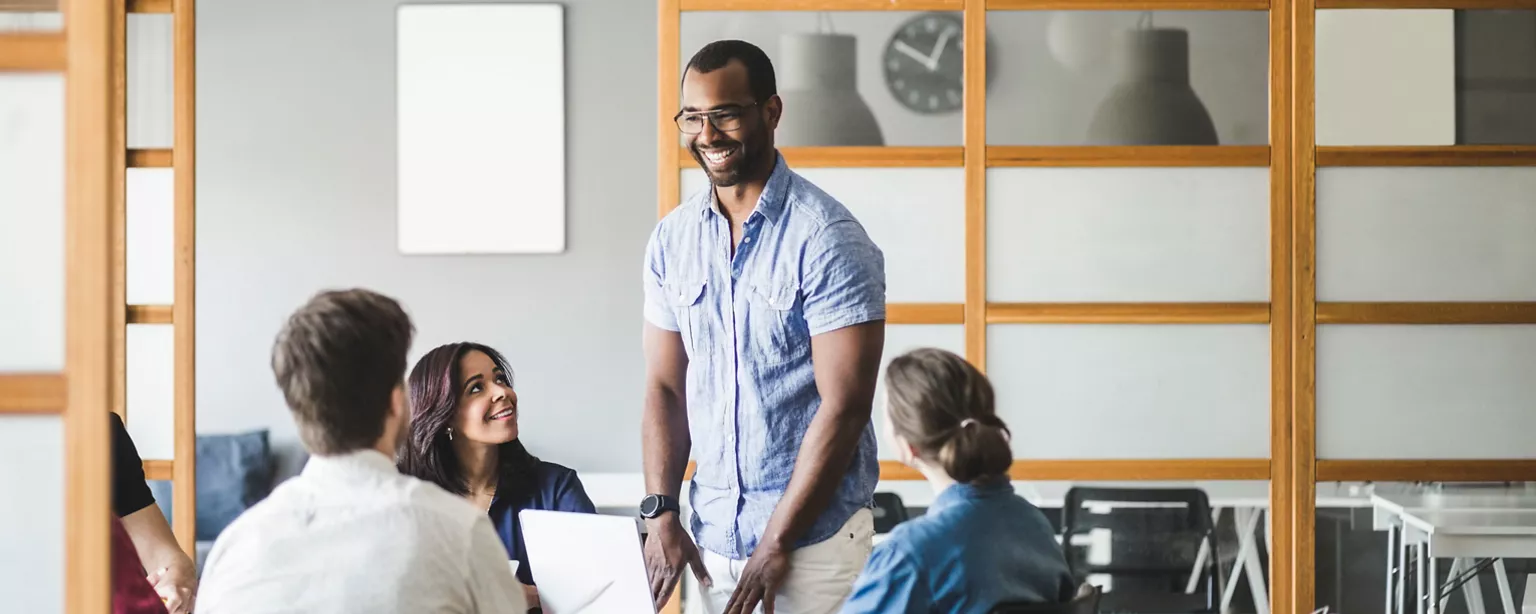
(555, 488)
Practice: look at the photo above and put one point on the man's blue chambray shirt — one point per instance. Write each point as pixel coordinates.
(804, 267)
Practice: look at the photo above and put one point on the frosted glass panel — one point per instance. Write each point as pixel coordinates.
(151, 389)
(1134, 234)
(915, 215)
(1426, 234)
(903, 338)
(151, 81)
(32, 513)
(1133, 391)
(31, 222)
(1425, 391)
(35, 20)
(151, 236)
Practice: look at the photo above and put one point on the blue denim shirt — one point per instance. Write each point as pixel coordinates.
(975, 547)
(804, 267)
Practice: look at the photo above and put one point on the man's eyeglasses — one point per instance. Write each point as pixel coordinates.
(724, 120)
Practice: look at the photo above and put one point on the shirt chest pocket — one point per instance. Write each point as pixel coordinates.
(687, 300)
(777, 323)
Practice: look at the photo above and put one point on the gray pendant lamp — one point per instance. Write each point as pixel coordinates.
(818, 83)
(1153, 103)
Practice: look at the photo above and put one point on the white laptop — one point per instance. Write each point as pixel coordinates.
(587, 563)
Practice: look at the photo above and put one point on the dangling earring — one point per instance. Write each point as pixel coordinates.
(450, 433)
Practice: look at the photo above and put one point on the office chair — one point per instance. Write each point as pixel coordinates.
(889, 511)
(1153, 548)
(1086, 602)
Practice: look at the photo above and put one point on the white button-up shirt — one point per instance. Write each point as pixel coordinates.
(352, 534)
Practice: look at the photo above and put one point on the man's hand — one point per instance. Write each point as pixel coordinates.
(176, 587)
(668, 549)
(760, 580)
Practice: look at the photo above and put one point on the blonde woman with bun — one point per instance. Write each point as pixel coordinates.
(979, 544)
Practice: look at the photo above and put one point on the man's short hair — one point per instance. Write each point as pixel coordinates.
(338, 360)
(716, 55)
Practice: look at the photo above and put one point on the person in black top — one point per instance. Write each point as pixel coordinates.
(168, 568)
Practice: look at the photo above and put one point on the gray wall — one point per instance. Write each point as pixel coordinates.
(296, 193)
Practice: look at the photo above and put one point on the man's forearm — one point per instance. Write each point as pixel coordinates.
(666, 441)
(825, 455)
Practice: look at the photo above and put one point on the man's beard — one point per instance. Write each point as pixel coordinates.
(749, 160)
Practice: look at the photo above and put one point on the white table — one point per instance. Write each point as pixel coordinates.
(1460, 523)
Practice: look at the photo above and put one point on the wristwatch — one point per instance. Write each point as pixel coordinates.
(656, 505)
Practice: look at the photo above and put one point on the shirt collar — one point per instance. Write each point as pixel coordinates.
(959, 493)
(770, 203)
(349, 466)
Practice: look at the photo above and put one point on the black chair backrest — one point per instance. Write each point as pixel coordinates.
(889, 511)
(1159, 536)
(1086, 602)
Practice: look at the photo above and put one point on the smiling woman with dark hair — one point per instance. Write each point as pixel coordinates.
(464, 438)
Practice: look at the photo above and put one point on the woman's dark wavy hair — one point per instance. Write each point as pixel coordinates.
(434, 392)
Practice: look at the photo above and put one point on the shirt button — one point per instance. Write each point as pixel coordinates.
(746, 239)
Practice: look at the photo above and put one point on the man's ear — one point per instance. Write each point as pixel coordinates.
(774, 107)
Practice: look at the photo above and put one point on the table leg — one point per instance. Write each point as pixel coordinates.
(1391, 568)
(1500, 574)
(1419, 571)
(1201, 556)
(1402, 569)
(1433, 585)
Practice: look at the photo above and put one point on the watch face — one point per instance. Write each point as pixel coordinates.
(924, 63)
(650, 505)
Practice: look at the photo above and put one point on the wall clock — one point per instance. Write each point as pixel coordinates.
(924, 63)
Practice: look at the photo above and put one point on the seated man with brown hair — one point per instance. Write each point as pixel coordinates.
(351, 533)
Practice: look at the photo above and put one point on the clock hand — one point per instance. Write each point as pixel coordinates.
(938, 49)
(903, 47)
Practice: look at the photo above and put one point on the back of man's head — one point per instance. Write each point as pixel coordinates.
(339, 360)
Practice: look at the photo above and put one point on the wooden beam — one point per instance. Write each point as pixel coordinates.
(32, 393)
(184, 497)
(1427, 313)
(121, 159)
(668, 183)
(925, 313)
(855, 157)
(1128, 313)
(87, 455)
(1300, 595)
(29, 6)
(150, 158)
(151, 314)
(1450, 155)
(1425, 4)
(1427, 470)
(1128, 5)
(150, 6)
(975, 134)
(159, 470)
(1114, 470)
(1128, 156)
(819, 5)
(32, 52)
(1282, 182)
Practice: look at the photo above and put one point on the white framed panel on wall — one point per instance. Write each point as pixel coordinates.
(915, 215)
(1425, 391)
(151, 81)
(1127, 234)
(150, 226)
(903, 338)
(31, 222)
(1426, 234)
(32, 514)
(1108, 391)
(151, 384)
(31, 21)
(1386, 77)
(481, 128)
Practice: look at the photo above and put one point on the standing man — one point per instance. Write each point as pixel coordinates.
(765, 319)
